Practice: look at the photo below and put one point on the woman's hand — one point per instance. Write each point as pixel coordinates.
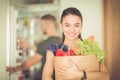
(71, 72)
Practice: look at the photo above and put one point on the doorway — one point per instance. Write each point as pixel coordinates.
(112, 37)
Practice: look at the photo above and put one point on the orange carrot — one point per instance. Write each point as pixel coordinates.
(91, 38)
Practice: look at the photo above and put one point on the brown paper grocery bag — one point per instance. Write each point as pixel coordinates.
(87, 63)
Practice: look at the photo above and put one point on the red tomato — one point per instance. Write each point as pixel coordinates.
(71, 52)
(59, 52)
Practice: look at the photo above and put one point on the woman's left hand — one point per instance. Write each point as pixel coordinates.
(71, 72)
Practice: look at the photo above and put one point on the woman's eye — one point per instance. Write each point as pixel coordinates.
(67, 25)
(76, 25)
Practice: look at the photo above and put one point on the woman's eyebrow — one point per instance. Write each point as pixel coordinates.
(74, 23)
(77, 23)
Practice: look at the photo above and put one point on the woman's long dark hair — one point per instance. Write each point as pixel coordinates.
(73, 11)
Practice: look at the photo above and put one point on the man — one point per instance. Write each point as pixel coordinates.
(49, 28)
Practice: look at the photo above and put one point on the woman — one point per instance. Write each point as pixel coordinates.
(71, 24)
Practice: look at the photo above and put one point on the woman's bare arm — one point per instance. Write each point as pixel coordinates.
(48, 67)
(103, 74)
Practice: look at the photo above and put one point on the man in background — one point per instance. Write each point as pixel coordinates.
(49, 28)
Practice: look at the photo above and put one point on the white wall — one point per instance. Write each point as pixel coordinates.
(92, 11)
(3, 17)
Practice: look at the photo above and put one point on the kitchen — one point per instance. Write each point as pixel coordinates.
(97, 16)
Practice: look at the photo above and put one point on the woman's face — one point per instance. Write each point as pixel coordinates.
(71, 25)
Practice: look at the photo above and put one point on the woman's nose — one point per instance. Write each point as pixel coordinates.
(72, 29)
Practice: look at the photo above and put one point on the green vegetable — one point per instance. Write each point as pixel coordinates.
(88, 48)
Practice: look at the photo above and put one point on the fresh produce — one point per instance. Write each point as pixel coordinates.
(90, 47)
(85, 47)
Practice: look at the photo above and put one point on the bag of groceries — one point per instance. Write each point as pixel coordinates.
(87, 63)
(86, 57)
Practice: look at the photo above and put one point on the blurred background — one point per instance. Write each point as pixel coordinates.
(19, 19)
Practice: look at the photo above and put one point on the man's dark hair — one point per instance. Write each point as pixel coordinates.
(49, 17)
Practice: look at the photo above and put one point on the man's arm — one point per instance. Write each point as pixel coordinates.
(27, 64)
(31, 61)
(27, 45)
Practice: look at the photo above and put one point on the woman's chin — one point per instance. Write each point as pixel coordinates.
(72, 39)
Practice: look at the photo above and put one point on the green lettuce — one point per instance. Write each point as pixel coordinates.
(91, 48)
